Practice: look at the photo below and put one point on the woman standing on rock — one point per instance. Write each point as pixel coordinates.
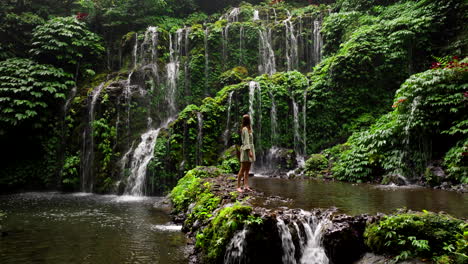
(247, 155)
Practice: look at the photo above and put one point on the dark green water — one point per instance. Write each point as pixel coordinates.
(83, 228)
(361, 198)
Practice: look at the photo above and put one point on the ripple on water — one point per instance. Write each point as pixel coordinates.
(60, 228)
(166, 227)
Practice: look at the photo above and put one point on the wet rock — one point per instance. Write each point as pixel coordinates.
(395, 179)
(370, 258)
(434, 174)
(344, 240)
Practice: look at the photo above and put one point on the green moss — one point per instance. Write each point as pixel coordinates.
(206, 203)
(215, 237)
(190, 187)
(423, 235)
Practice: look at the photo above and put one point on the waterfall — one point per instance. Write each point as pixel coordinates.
(144, 152)
(267, 62)
(291, 44)
(141, 158)
(313, 252)
(233, 16)
(287, 242)
(297, 137)
(172, 69)
(254, 88)
(273, 122)
(135, 51)
(186, 64)
(206, 60)
(409, 121)
(406, 141)
(241, 37)
(304, 120)
(235, 250)
(225, 43)
(199, 138)
(226, 132)
(87, 154)
(317, 42)
(310, 247)
(255, 15)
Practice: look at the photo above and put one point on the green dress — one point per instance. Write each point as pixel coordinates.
(247, 145)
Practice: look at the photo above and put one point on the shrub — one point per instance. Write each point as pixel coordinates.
(424, 235)
(315, 165)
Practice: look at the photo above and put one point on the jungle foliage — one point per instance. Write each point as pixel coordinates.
(426, 235)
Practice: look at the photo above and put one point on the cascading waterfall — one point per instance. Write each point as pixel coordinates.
(310, 248)
(313, 252)
(225, 42)
(304, 120)
(143, 154)
(226, 132)
(297, 137)
(317, 42)
(186, 64)
(135, 51)
(287, 242)
(173, 69)
(255, 15)
(233, 16)
(140, 160)
(88, 142)
(241, 37)
(406, 141)
(267, 62)
(273, 122)
(291, 44)
(235, 250)
(206, 60)
(252, 87)
(199, 138)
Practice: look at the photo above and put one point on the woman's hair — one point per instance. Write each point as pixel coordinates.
(246, 122)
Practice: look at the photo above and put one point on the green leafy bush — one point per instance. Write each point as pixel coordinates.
(204, 207)
(66, 42)
(428, 106)
(422, 235)
(29, 91)
(315, 165)
(70, 169)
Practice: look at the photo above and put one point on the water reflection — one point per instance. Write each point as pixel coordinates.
(361, 198)
(85, 228)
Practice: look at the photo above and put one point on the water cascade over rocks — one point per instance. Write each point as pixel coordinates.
(87, 165)
(291, 44)
(143, 153)
(235, 251)
(153, 84)
(199, 138)
(296, 234)
(228, 121)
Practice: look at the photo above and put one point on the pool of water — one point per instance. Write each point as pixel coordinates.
(361, 198)
(86, 228)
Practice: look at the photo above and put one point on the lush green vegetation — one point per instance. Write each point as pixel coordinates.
(427, 108)
(426, 235)
(370, 49)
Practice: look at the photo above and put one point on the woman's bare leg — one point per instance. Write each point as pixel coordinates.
(246, 175)
(240, 175)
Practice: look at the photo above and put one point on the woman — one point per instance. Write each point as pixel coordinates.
(247, 155)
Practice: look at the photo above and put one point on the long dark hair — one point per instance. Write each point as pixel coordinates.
(246, 122)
